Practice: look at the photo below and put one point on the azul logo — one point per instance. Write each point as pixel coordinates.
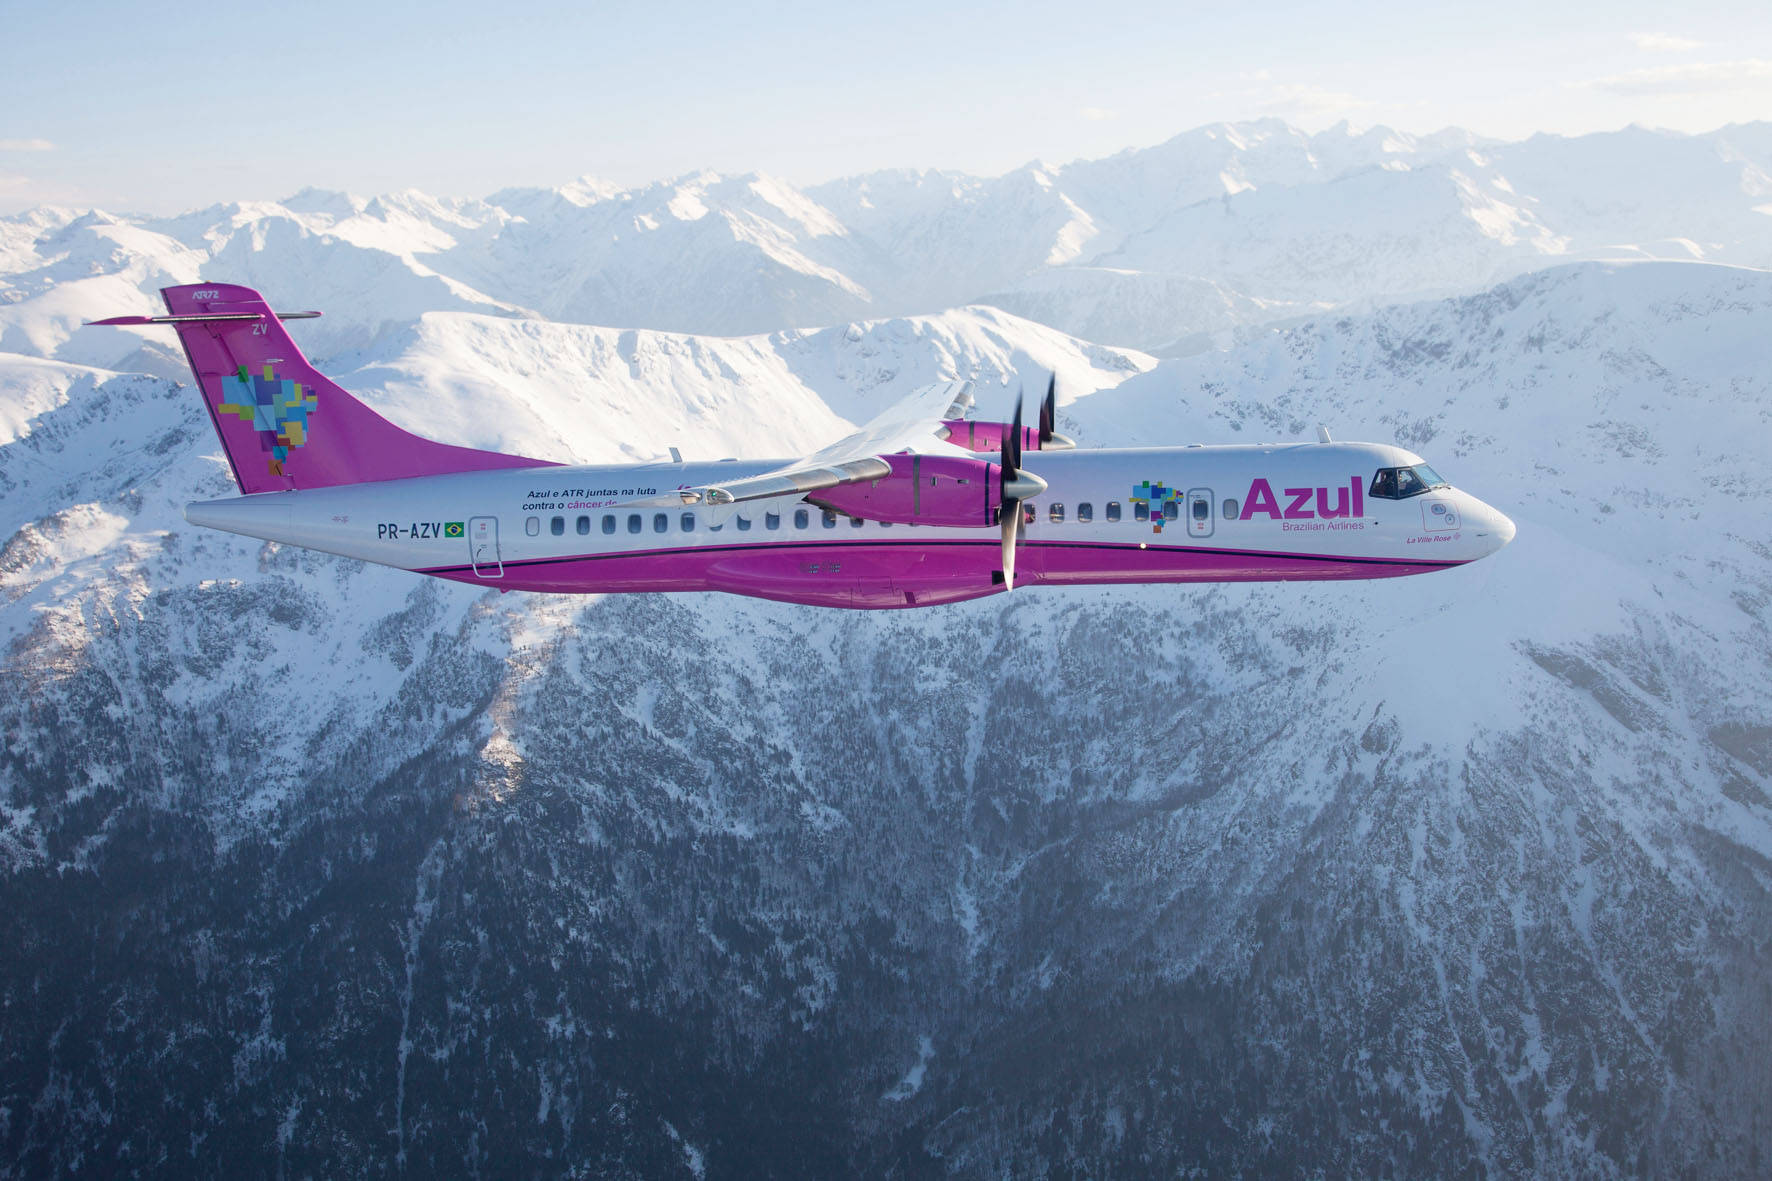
(276, 408)
(1306, 504)
(1155, 496)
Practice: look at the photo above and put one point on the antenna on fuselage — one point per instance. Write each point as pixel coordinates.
(1323, 434)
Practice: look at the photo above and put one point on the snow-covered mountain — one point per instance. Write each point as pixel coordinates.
(315, 867)
(1224, 228)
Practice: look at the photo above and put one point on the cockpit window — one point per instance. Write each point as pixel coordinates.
(1400, 483)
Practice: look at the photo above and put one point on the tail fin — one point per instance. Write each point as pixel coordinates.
(283, 424)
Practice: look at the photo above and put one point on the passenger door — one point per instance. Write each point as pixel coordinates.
(483, 547)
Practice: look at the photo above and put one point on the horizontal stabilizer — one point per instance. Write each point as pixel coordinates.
(199, 318)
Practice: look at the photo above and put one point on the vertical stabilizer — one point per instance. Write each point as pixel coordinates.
(283, 424)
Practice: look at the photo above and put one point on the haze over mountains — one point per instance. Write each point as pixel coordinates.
(1223, 227)
(311, 866)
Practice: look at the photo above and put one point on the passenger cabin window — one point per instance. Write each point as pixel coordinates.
(1056, 513)
(744, 524)
(609, 522)
(557, 526)
(584, 526)
(1028, 514)
(772, 520)
(1230, 508)
(689, 522)
(532, 526)
(1113, 510)
(633, 522)
(830, 518)
(1141, 511)
(1085, 512)
(1202, 508)
(661, 522)
(856, 522)
(802, 518)
(1400, 483)
(1171, 509)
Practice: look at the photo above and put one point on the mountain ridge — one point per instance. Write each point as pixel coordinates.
(1212, 232)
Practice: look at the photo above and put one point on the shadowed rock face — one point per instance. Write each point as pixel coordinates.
(692, 877)
(313, 867)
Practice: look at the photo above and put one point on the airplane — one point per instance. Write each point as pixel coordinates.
(920, 506)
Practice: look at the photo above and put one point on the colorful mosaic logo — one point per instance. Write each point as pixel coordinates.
(454, 529)
(274, 407)
(1155, 496)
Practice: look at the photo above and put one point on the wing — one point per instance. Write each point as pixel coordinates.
(908, 425)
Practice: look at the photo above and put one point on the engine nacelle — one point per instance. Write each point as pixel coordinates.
(988, 436)
(946, 490)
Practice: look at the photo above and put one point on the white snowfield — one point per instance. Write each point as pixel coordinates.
(1618, 412)
(1559, 756)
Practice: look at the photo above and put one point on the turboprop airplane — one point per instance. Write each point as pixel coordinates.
(905, 512)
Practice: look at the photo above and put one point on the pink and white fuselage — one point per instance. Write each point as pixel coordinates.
(896, 516)
(1296, 512)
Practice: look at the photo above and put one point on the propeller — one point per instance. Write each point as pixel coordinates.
(1051, 440)
(1017, 486)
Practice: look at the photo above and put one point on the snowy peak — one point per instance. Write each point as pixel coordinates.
(1224, 228)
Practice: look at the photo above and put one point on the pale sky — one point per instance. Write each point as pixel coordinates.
(158, 108)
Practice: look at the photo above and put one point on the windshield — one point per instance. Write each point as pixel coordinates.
(1400, 483)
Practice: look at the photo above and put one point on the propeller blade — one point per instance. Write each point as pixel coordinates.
(1017, 486)
(1015, 433)
(1011, 517)
(1006, 462)
(1050, 439)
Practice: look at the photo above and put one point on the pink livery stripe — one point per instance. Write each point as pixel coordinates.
(914, 573)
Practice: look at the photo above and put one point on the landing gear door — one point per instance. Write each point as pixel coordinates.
(1199, 512)
(483, 547)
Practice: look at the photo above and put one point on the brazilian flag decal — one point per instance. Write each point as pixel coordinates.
(454, 529)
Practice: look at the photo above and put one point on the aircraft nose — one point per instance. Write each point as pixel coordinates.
(1492, 527)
